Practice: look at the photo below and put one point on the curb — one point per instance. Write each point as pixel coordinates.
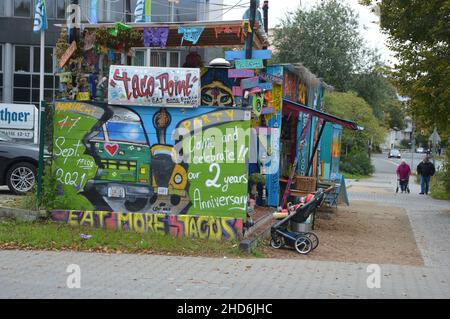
(21, 214)
(247, 245)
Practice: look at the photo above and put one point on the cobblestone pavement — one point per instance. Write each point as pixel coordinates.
(35, 274)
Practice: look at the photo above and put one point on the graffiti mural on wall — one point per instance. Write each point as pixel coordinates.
(336, 148)
(124, 159)
(177, 225)
(217, 87)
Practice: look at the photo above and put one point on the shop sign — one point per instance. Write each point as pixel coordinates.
(249, 83)
(270, 78)
(68, 54)
(249, 64)
(83, 96)
(239, 74)
(17, 116)
(256, 54)
(152, 86)
(19, 134)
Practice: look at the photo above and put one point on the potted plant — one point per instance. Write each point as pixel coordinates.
(257, 183)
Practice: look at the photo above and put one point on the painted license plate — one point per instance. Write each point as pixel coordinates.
(163, 191)
(116, 192)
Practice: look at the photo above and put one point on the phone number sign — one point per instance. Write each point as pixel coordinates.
(19, 134)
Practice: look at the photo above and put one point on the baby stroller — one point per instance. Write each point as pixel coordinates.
(303, 242)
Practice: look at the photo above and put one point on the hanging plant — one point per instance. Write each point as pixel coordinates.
(125, 39)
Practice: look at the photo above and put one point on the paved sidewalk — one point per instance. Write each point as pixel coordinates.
(429, 218)
(43, 275)
(30, 274)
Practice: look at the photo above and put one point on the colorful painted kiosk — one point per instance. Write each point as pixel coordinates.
(309, 137)
(179, 150)
(156, 148)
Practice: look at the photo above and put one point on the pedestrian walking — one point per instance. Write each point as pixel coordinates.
(425, 169)
(403, 173)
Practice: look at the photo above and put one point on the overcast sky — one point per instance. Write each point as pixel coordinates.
(278, 9)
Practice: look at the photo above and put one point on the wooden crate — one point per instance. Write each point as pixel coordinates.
(306, 184)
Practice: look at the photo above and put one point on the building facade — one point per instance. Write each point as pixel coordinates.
(20, 51)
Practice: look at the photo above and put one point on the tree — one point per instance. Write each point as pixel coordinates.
(419, 35)
(376, 88)
(325, 39)
(350, 106)
(355, 158)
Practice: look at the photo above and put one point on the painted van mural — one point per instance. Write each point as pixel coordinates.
(138, 159)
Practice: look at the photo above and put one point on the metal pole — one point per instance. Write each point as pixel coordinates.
(172, 11)
(249, 42)
(266, 15)
(41, 151)
(413, 148)
(41, 80)
(128, 11)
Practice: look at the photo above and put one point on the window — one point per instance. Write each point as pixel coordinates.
(1, 72)
(26, 74)
(112, 10)
(158, 58)
(56, 9)
(139, 58)
(22, 8)
(61, 9)
(50, 6)
(128, 132)
(2, 8)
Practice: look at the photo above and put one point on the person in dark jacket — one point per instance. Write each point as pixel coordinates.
(425, 169)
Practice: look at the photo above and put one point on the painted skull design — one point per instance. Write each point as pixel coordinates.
(217, 94)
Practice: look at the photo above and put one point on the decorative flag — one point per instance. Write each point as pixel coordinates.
(155, 37)
(139, 11)
(94, 11)
(191, 34)
(148, 10)
(40, 17)
(118, 27)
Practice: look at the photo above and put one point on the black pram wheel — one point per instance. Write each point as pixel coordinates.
(276, 243)
(314, 239)
(303, 245)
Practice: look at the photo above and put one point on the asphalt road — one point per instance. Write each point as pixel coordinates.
(412, 159)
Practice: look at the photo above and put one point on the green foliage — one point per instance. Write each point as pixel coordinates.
(348, 105)
(439, 186)
(71, 200)
(405, 143)
(50, 235)
(357, 163)
(325, 39)
(419, 36)
(257, 178)
(376, 88)
(355, 159)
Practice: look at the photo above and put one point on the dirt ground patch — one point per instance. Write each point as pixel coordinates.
(370, 190)
(363, 233)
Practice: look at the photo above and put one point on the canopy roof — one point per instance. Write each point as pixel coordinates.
(209, 38)
(291, 106)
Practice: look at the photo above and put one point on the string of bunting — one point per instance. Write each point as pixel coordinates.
(191, 34)
(155, 37)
